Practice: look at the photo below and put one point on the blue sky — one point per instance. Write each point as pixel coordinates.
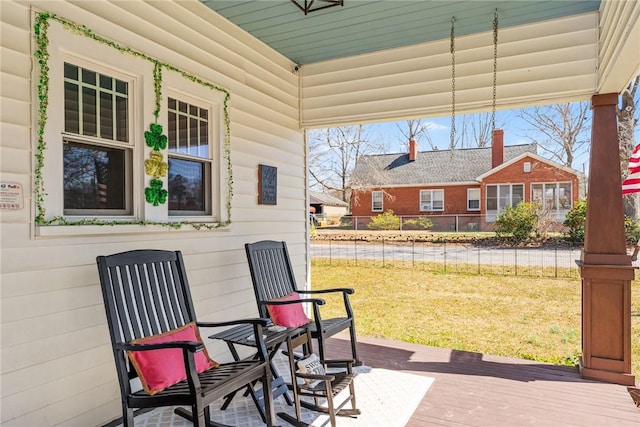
(516, 131)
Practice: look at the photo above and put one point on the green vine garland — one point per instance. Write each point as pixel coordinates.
(41, 28)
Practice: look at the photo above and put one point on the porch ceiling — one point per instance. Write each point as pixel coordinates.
(362, 26)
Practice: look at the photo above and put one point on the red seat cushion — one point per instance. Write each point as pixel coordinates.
(159, 369)
(289, 315)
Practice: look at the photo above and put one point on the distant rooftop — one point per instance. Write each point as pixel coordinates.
(430, 167)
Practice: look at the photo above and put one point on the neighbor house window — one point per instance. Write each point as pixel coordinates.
(189, 158)
(502, 195)
(473, 199)
(431, 200)
(376, 201)
(97, 154)
(555, 198)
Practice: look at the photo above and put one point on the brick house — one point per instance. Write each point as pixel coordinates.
(467, 188)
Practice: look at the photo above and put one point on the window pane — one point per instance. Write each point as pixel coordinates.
(106, 115)
(550, 197)
(89, 77)
(517, 192)
(172, 134)
(564, 195)
(438, 199)
(183, 134)
(89, 119)
(204, 139)
(505, 197)
(376, 200)
(122, 87)
(94, 177)
(425, 197)
(122, 114)
(106, 82)
(536, 194)
(70, 71)
(492, 198)
(473, 199)
(186, 185)
(193, 136)
(71, 110)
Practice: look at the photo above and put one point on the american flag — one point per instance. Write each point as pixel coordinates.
(102, 175)
(631, 184)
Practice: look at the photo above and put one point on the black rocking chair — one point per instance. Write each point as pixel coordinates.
(273, 278)
(146, 293)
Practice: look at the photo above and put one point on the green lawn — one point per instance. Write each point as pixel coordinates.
(526, 317)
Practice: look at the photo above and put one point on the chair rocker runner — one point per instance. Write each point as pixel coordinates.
(152, 320)
(273, 278)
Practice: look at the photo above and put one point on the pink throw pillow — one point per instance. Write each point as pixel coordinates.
(289, 315)
(159, 369)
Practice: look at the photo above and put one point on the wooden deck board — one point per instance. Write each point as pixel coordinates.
(473, 389)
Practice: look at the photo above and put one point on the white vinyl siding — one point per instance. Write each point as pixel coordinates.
(431, 200)
(555, 198)
(52, 281)
(377, 201)
(550, 60)
(500, 196)
(473, 199)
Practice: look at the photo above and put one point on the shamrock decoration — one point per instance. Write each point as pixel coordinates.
(154, 137)
(155, 194)
(155, 166)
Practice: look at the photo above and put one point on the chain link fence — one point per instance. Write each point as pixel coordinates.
(444, 257)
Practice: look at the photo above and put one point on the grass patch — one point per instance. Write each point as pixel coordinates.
(535, 318)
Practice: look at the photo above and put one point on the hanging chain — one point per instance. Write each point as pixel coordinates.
(495, 68)
(453, 82)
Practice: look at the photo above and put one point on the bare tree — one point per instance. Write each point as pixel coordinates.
(561, 130)
(475, 131)
(416, 130)
(478, 131)
(332, 155)
(627, 121)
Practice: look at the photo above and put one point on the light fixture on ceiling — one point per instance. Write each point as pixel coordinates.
(312, 5)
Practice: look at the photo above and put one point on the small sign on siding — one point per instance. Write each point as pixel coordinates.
(267, 185)
(11, 197)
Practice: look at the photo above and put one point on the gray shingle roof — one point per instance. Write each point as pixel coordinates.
(325, 199)
(430, 167)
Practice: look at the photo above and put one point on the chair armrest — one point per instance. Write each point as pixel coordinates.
(337, 361)
(192, 346)
(253, 321)
(349, 291)
(315, 376)
(316, 301)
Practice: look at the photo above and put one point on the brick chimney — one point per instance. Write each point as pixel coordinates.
(497, 148)
(413, 150)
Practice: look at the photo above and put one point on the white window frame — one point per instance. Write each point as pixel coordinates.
(428, 206)
(90, 55)
(76, 49)
(127, 146)
(471, 198)
(212, 179)
(558, 213)
(375, 195)
(492, 214)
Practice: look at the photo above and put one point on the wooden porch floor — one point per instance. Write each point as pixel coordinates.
(473, 389)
